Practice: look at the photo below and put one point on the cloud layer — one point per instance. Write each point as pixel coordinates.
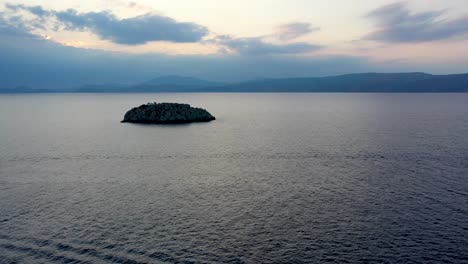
(130, 31)
(397, 24)
(290, 31)
(259, 46)
(151, 27)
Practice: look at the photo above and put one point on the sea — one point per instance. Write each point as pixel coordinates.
(276, 178)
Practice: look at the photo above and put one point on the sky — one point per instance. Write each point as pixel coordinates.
(50, 44)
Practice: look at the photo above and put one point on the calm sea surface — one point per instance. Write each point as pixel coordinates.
(277, 178)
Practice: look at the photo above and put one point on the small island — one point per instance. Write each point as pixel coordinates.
(167, 113)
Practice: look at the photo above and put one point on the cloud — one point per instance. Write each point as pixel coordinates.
(292, 31)
(36, 10)
(6, 29)
(152, 27)
(263, 45)
(130, 31)
(260, 46)
(397, 24)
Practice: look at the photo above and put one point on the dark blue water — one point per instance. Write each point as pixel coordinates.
(277, 178)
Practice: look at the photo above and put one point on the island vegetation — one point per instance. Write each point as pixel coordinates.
(167, 113)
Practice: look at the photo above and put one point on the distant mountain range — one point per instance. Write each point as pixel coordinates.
(171, 83)
(363, 82)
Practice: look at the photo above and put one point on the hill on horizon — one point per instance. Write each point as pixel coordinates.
(172, 83)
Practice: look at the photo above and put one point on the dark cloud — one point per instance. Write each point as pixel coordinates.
(292, 31)
(397, 24)
(130, 31)
(8, 27)
(259, 46)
